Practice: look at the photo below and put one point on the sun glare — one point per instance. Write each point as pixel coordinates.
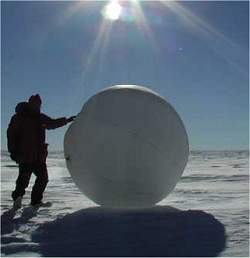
(112, 10)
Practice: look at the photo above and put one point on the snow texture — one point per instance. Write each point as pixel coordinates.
(207, 214)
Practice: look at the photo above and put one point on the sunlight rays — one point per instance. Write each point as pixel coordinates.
(97, 54)
(133, 12)
(112, 10)
(74, 8)
(196, 23)
(143, 25)
(207, 33)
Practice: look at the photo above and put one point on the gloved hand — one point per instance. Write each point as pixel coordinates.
(70, 119)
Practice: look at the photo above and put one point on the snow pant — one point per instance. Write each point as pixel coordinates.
(22, 182)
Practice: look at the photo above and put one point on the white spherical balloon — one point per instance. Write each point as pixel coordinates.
(127, 147)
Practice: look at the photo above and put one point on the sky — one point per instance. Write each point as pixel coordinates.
(194, 54)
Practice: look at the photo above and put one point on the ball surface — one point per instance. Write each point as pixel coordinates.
(127, 147)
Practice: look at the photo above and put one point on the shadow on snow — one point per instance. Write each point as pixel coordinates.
(158, 231)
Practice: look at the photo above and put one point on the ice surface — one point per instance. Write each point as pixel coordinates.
(214, 187)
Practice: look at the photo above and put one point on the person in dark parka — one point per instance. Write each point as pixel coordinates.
(27, 146)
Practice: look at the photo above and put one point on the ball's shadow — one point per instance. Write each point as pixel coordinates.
(159, 231)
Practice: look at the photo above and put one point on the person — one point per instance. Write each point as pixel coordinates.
(27, 147)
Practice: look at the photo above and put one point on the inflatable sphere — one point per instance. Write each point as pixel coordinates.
(127, 148)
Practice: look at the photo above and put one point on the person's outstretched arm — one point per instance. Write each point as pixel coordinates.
(50, 123)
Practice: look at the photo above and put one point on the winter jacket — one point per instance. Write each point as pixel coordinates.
(26, 136)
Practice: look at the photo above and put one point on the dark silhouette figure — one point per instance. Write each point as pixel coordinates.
(26, 144)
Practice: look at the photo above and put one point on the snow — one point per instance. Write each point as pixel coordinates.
(207, 214)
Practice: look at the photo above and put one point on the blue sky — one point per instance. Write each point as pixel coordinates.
(195, 54)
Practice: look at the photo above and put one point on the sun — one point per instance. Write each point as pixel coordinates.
(112, 10)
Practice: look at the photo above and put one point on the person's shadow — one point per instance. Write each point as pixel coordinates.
(158, 231)
(9, 223)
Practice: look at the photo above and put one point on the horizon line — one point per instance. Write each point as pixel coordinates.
(192, 150)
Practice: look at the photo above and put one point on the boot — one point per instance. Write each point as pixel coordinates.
(17, 204)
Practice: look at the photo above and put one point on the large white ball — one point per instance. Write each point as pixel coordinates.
(127, 147)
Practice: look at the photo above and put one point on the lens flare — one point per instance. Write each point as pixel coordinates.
(112, 10)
